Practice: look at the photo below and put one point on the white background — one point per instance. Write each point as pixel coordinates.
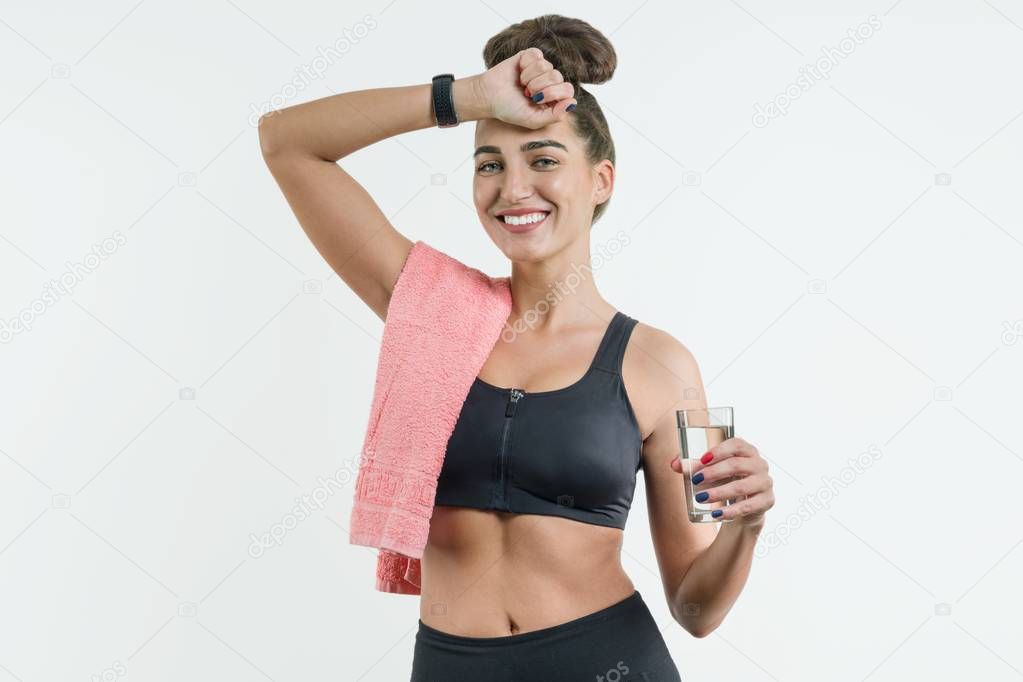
(848, 276)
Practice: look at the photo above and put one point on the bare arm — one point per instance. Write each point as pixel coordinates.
(301, 145)
(704, 567)
(676, 384)
(714, 581)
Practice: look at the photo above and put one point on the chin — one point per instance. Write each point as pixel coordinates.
(533, 250)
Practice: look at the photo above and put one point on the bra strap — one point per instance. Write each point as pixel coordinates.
(612, 348)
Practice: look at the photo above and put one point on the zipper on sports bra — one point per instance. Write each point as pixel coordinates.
(514, 395)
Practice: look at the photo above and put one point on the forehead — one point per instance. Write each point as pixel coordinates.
(510, 138)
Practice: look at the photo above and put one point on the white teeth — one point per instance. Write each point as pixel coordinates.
(523, 219)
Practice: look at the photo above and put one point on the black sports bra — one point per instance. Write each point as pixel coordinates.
(572, 452)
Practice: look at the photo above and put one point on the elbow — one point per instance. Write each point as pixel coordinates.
(692, 623)
(697, 629)
(699, 632)
(269, 143)
(691, 612)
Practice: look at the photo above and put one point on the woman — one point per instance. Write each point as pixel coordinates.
(521, 580)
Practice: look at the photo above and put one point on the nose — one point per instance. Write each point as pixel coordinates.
(516, 185)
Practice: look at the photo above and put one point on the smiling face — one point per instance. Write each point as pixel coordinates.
(541, 171)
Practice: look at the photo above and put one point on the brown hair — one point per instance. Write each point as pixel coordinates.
(583, 55)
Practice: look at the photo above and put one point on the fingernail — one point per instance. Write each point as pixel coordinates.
(707, 457)
(570, 107)
(716, 513)
(537, 97)
(702, 497)
(698, 478)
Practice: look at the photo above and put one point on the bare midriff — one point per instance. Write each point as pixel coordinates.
(488, 573)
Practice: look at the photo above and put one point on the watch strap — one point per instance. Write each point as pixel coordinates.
(444, 101)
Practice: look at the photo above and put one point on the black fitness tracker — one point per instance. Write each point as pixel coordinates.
(444, 101)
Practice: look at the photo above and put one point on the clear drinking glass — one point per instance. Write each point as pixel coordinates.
(698, 431)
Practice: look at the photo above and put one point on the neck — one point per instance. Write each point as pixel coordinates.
(557, 292)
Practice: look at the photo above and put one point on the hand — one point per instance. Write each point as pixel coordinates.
(748, 484)
(508, 89)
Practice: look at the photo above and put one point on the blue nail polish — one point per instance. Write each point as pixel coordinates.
(537, 97)
(716, 513)
(570, 107)
(698, 478)
(702, 497)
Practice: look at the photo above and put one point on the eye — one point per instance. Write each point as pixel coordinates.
(483, 167)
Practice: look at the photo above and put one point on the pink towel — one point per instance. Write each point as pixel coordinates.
(442, 322)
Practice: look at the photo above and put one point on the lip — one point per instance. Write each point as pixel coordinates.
(521, 229)
(524, 211)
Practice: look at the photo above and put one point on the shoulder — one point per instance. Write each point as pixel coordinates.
(660, 352)
(659, 360)
(661, 374)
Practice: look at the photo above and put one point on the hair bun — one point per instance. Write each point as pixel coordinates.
(580, 52)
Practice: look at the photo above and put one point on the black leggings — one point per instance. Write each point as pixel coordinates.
(620, 643)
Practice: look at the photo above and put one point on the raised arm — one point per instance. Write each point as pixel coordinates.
(301, 145)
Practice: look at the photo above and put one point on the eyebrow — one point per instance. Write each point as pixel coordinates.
(535, 144)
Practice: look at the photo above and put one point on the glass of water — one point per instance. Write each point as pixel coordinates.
(699, 430)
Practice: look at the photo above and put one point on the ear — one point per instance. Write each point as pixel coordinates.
(603, 181)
